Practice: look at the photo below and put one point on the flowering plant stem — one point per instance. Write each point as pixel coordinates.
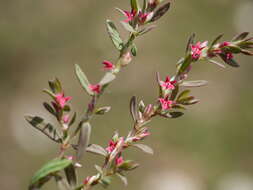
(170, 103)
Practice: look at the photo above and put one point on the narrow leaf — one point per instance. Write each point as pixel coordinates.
(230, 62)
(160, 12)
(128, 27)
(183, 94)
(109, 77)
(144, 148)
(240, 36)
(197, 83)
(83, 80)
(217, 63)
(44, 127)
(122, 178)
(114, 35)
(50, 168)
(133, 108)
(216, 40)
(135, 5)
(70, 173)
(134, 50)
(146, 30)
(49, 108)
(96, 149)
(128, 165)
(83, 140)
(189, 43)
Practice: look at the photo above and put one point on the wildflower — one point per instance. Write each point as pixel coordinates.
(111, 146)
(224, 44)
(70, 157)
(196, 50)
(95, 88)
(165, 103)
(141, 136)
(168, 84)
(119, 160)
(61, 100)
(145, 17)
(229, 56)
(108, 65)
(130, 15)
(65, 119)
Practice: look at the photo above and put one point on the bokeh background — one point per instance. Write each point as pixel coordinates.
(210, 148)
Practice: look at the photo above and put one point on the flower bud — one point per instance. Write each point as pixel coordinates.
(126, 59)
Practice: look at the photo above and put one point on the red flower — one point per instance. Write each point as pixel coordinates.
(111, 146)
(119, 160)
(130, 15)
(165, 103)
(196, 50)
(61, 100)
(95, 88)
(108, 65)
(168, 84)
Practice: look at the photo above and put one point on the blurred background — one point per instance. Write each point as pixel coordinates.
(210, 148)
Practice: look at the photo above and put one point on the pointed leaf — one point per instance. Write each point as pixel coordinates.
(134, 50)
(84, 139)
(133, 108)
(217, 63)
(103, 110)
(123, 178)
(96, 149)
(144, 148)
(128, 165)
(216, 40)
(160, 12)
(183, 94)
(197, 83)
(109, 77)
(44, 127)
(128, 27)
(240, 36)
(70, 173)
(114, 35)
(135, 5)
(146, 30)
(49, 168)
(189, 43)
(49, 108)
(230, 62)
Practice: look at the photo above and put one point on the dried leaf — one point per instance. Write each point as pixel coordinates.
(144, 148)
(128, 27)
(96, 149)
(109, 77)
(160, 12)
(123, 178)
(133, 108)
(197, 83)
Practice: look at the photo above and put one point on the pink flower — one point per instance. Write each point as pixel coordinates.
(65, 119)
(70, 157)
(95, 88)
(108, 65)
(196, 50)
(224, 44)
(229, 56)
(61, 100)
(141, 136)
(168, 84)
(165, 103)
(130, 15)
(86, 181)
(111, 146)
(126, 58)
(144, 17)
(119, 160)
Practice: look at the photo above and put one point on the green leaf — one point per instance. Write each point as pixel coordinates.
(128, 27)
(134, 50)
(114, 35)
(96, 149)
(144, 148)
(44, 127)
(216, 40)
(72, 119)
(240, 36)
(70, 173)
(175, 114)
(217, 63)
(109, 77)
(128, 165)
(49, 108)
(135, 5)
(184, 64)
(84, 139)
(122, 178)
(160, 12)
(197, 83)
(51, 94)
(55, 86)
(189, 43)
(83, 80)
(49, 168)
(183, 94)
(230, 62)
(146, 30)
(133, 108)
(103, 110)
